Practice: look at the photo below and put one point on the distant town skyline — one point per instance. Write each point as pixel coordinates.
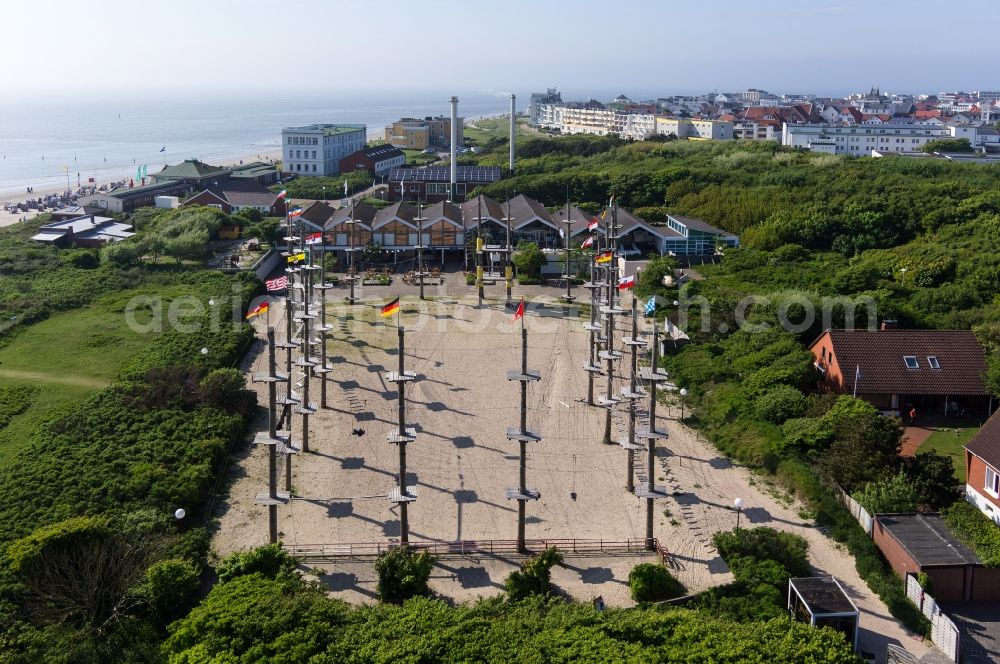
(640, 48)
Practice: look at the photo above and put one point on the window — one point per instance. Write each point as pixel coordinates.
(992, 485)
(933, 362)
(911, 362)
(314, 168)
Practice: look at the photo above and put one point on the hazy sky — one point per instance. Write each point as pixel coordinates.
(584, 47)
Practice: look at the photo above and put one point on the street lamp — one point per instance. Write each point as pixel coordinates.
(324, 193)
(180, 513)
(683, 393)
(738, 504)
(903, 278)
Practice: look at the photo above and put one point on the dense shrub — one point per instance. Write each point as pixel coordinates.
(14, 400)
(975, 530)
(893, 494)
(403, 573)
(270, 561)
(786, 549)
(780, 403)
(652, 582)
(534, 577)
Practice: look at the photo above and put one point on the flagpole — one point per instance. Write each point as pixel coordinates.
(857, 370)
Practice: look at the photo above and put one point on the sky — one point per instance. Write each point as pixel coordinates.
(586, 48)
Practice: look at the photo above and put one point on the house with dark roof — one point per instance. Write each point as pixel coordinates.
(484, 217)
(377, 160)
(531, 222)
(194, 173)
(127, 199)
(235, 195)
(982, 466)
(932, 371)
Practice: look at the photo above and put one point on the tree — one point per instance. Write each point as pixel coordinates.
(933, 479)
(947, 145)
(652, 582)
(651, 276)
(403, 573)
(889, 495)
(249, 215)
(529, 259)
(865, 446)
(535, 575)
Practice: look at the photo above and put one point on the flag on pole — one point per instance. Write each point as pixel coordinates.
(314, 238)
(520, 312)
(604, 213)
(592, 226)
(295, 258)
(589, 242)
(857, 377)
(626, 282)
(562, 235)
(650, 308)
(604, 257)
(390, 308)
(258, 310)
(282, 194)
(277, 284)
(296, 212)
(345, 187)
(163, 149)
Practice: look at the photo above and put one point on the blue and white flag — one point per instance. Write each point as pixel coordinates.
(650, 306)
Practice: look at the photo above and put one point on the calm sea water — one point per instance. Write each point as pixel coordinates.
(108, 139)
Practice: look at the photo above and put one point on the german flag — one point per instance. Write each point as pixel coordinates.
(258, 310)
(604, 258)
(390, 308)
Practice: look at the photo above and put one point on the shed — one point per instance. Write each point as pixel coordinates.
(915, 543)
(821, 601)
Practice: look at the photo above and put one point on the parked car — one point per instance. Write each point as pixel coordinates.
(428, 151)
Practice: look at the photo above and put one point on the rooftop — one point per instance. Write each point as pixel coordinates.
(476, 174)
(927, 539)
(986, 443)
(327, 129)
(879, 355)
(189, 168)
(823, 595)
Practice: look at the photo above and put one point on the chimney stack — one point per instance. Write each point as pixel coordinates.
(512, 124)
(454, 149)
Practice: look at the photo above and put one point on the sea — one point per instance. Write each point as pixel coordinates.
(61, 143)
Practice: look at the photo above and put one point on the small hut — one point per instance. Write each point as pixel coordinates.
(821, 601)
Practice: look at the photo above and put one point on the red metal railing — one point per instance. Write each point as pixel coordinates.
(484, 547)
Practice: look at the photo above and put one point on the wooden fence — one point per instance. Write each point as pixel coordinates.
(320, 552)
(859, 513)
(944, 632)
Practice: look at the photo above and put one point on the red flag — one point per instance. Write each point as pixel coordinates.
(626, 282)
(589, 242)
(592, 225)
(315, 238)
(520, 312)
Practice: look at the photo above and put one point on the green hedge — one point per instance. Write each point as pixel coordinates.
(975, 530)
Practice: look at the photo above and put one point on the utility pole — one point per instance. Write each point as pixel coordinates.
(420, 219)
(632, 394)
(272, 440)
(568, 221)
(522, 493)
(609, 354)
(509, 268)
(402, 495)
(592, 368)
(650, 491)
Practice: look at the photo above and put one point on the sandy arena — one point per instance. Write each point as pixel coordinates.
(461, 462)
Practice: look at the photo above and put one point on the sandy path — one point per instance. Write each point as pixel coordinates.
(461, 463)
(63, 379)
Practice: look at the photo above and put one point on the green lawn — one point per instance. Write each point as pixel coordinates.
(498, 128)
(417, 158)
(68, 356)
(951, 442)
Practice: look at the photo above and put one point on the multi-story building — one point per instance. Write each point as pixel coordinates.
(763, 130)
(550, 96)
(714, 130)
(861, 139)
(418, 134)
(377, 160)
(318, 148)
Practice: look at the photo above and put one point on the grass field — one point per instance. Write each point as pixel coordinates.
(416, 158)
(498, 128)
(951, 444)
(69, 356)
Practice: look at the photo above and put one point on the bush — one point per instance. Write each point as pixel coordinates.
(652, 582)
(975, 530)
(402, 574)
(529, 259)
(892, 495)
(779, 404)
(269, 561)
(535, 575)
(170, 589)
(933, 478)
(786, 549)
(805, 434)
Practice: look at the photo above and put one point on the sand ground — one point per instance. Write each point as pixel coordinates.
(461, 462)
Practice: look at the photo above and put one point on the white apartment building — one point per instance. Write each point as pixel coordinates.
(861, 139)
(748, 130)
(318, 148)
(711, 130)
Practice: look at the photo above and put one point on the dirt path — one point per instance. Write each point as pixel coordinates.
(63, 379)
(709, 483)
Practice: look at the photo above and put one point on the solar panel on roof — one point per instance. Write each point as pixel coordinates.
(443, 174)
